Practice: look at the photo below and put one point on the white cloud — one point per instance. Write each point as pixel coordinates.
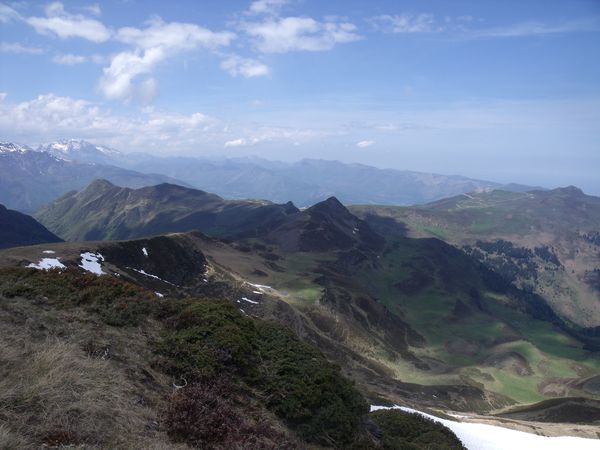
(49, 117)
(7, 13)
(267, 6)
(152, 45)
(94, 9)
(236, 143)
(405, 23)
(69, 59)
(60, 23)
(15, 47)
(364, 144)
(236, 65)
(538, 29)
(116, 83)
(286, 34)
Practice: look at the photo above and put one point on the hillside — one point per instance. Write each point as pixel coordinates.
(30, 179)
(543, 241)
(105, 211)
(18, 229)
(409, 320)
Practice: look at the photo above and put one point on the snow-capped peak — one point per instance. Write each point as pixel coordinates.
(76, 149)
(11, 147)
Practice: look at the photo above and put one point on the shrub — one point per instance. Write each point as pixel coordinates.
(409, 431)
(206, 416)
(211, 338)
(117, 303)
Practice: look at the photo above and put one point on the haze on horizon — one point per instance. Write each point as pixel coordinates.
(504, 91)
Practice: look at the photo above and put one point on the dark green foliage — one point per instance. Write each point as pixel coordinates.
(210, 338)
(116, 302)
(407, 431)
(305, 390)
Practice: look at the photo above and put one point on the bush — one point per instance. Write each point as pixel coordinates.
(117, 303)
(305, 390)
(211, 338)
(408, 431)
(205, 416)
(208, 338)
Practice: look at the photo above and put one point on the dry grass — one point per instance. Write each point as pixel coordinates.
(59, 386)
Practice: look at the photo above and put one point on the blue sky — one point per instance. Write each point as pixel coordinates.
(500, 90)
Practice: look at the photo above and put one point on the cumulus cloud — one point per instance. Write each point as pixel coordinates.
(152, 45)
(51, 117)
(364, 144)
(62, 24)
(15, 47)
(280, 35)
(246, 67)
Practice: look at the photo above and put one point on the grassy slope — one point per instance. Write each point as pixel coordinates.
(504, 350)
(556, 219)
(91, 362)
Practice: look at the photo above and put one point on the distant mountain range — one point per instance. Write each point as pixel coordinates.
(18, 229)
(29, 179)
(304, 182)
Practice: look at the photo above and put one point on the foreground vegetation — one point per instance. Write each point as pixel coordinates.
(93, 362)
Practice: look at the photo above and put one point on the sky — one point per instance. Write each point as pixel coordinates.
(502, 90)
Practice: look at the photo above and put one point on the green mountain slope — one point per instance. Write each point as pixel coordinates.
(20, 229)
(105, 211)
(547, 242)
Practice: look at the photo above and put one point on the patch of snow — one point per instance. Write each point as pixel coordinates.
(242, 311)
(258, 292)
(144, 251)
(249, 301)
(11, 147)
(478, 436)
(158, 294)
(49, 252)
(91, 262)
(150, 275)
(48, 263)
(260, 287)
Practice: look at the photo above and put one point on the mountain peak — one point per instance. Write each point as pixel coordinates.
(11, 147)
(569, 190)
(79, 149)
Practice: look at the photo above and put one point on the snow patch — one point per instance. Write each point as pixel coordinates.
(49, 252)
(249, 301)
(48, 263)
(144, 251)
(150, 275)
(91, 262)
(158, 294)
(478, 436)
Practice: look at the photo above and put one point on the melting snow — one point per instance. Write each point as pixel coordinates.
(48, 263)
(158, 294)
(49, 252)
(90, 262)
(258, 292)
(144, 251)
(150, 275)
(249, 301)
(478, 436)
